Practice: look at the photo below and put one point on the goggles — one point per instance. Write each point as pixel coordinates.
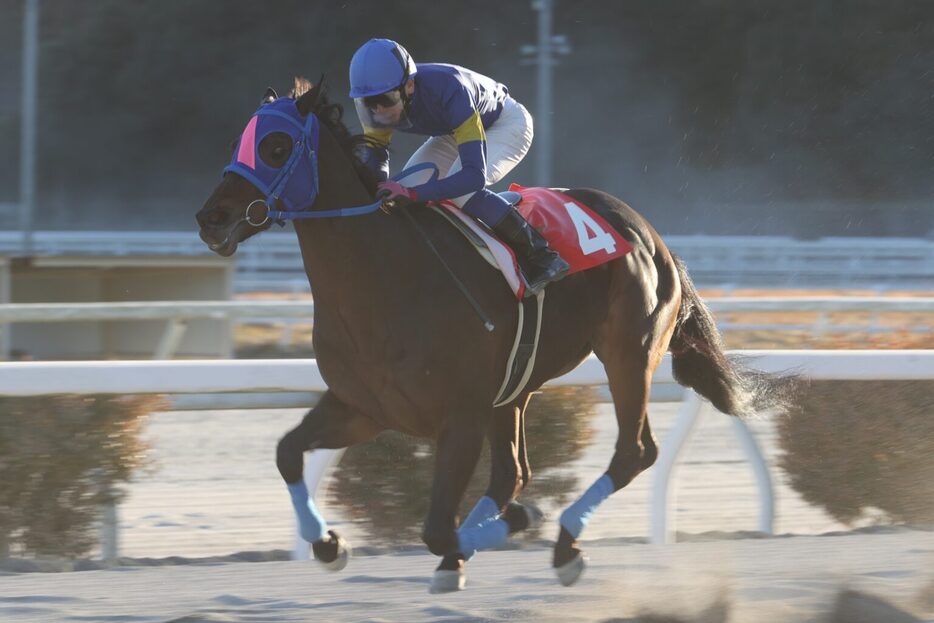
(385, 110)
(386, 100)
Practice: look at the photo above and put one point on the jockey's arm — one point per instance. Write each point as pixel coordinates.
(375, 151)
(471, 147)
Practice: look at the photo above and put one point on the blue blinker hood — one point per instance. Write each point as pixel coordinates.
(295, 184)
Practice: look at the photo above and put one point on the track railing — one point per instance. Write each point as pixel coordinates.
(176, 314)
(303, 376)
(273, 261)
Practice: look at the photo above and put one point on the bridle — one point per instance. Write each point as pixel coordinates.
(294, 185)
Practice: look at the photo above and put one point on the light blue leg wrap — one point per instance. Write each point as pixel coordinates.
(491, 533)
(485, 509)
(576, 516)
(484, 512)
(310, 523)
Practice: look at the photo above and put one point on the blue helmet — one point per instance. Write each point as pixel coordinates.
(380, 65)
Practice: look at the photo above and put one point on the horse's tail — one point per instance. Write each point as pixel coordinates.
(698, 361)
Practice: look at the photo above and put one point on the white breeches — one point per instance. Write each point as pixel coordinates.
(507, 142)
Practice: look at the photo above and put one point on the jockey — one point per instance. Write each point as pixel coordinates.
(478, 133)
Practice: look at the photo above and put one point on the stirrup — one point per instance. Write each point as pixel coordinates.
(555, 272)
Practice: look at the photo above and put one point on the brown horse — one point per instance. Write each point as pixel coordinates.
(401, 349)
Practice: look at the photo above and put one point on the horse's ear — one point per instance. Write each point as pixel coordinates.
(269, 96)
(313, 98)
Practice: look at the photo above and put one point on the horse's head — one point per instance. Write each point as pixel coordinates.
(274, 167)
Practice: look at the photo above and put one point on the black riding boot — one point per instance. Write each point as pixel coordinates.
(540, 264)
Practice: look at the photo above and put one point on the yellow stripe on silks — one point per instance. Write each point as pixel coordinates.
(380, 136)
(470, 130)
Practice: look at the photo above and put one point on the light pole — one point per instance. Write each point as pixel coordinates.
(27, 164)
(548, 45)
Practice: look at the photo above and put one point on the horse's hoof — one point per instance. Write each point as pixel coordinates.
(447, 581)
(333, 553)
(569, 561)
(521, 517)
(570, 572)
(536, 516)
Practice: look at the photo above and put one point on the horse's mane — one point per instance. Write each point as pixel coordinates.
(331, 115)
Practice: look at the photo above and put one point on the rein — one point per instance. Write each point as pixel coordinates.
(295, 184)
(280, 216)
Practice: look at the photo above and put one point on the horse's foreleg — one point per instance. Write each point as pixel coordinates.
(509, 474)
(456, 457)
(331, 424)
(506, 480)
(511, 471)
(532, 514)
(456, 454)
(509, 468)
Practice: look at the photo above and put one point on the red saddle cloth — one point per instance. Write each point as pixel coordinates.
(582, 237)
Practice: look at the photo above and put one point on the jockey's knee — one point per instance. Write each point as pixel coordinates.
(487, 206)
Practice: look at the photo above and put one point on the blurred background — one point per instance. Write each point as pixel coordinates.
(780, 147)
(802, 118)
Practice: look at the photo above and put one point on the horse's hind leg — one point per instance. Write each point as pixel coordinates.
(331, 424)
(630, 343)
(629, 380)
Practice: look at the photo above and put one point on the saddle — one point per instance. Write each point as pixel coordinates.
(582, 237)
(579, 234)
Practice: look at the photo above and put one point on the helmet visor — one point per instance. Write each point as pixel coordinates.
(385, 110)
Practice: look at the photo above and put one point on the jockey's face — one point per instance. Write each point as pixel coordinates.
(386, 110)
(388, 115)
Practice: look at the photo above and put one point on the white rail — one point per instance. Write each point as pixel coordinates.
(904, 304)
(155, 310)
(32, 378)
(175, 313)
(273, 260)
(302, 375)
(150, 310)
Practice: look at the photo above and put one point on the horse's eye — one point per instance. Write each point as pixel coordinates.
(279, 152)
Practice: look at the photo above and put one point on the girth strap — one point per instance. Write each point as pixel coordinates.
(522, 357)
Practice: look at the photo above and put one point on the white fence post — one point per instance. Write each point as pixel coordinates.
(109, 531)
(171, 337)
(665, 465)
(760, 469)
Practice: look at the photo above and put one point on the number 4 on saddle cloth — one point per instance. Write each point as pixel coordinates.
(582, 237)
